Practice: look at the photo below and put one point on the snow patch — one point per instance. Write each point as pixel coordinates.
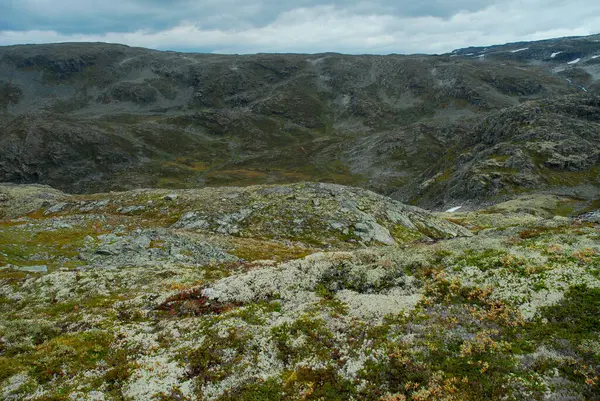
(555, 54)
(453, 209)
(574, 61)
(519, 50)
(593, 57)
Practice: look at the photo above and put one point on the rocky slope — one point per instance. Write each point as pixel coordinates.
(550, 145)
(96, 117)
(296, 292)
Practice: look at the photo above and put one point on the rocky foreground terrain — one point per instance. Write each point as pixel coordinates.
(306, 291)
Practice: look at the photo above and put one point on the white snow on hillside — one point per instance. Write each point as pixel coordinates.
(593, 57)
(555, 54)
(519, 50)
(454, 209)
(574, 61)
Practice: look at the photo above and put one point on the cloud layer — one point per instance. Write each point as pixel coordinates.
(311, 26)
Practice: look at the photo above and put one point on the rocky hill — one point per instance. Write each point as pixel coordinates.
(95, 117)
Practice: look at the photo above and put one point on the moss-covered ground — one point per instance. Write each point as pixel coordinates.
(134, 308)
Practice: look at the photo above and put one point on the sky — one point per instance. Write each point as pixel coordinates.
(298, 26)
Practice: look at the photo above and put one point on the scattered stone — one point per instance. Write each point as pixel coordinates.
(104, 251)
(228, 224)
(370, 232)
(170, 197)
(131, 209)
(56, 208)
(141, 242)
(32, 269)
(192, 221)
(589, 217)
(61, 225)
(88, 207)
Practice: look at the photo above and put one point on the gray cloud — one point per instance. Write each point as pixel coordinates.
(73, 16)
(234, 26)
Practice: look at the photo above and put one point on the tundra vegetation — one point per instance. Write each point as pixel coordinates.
(295, 292)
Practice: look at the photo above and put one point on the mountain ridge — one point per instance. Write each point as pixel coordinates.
(97, 117)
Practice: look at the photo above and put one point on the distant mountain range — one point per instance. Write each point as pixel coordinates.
(477, 124)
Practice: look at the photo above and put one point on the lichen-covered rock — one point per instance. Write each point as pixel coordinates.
(17, 200)
(151, 247)
(319, 213)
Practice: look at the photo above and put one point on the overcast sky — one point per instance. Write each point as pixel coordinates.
(307, 26)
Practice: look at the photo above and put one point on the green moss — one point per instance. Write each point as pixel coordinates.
(330, 302)
(13, 277)
(317, 384)
(504, 170)
(9, 366)
(119, 369)
(403, 234)
(572, 178)
(257, 390)
(566, 208)
(68, 355)
(445, 175)
(499, 158)
(319, 341)
(487, 259)
(577, 315)
(256, 313)
(251, 250)
(212, 361)
(534, 233)
(18, 244)
(71, 309)
(20, 335)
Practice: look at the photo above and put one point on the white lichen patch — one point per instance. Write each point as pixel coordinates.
(157, 375)
(11, 387)
(374, 307)
(140, 336)
(93, 395)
